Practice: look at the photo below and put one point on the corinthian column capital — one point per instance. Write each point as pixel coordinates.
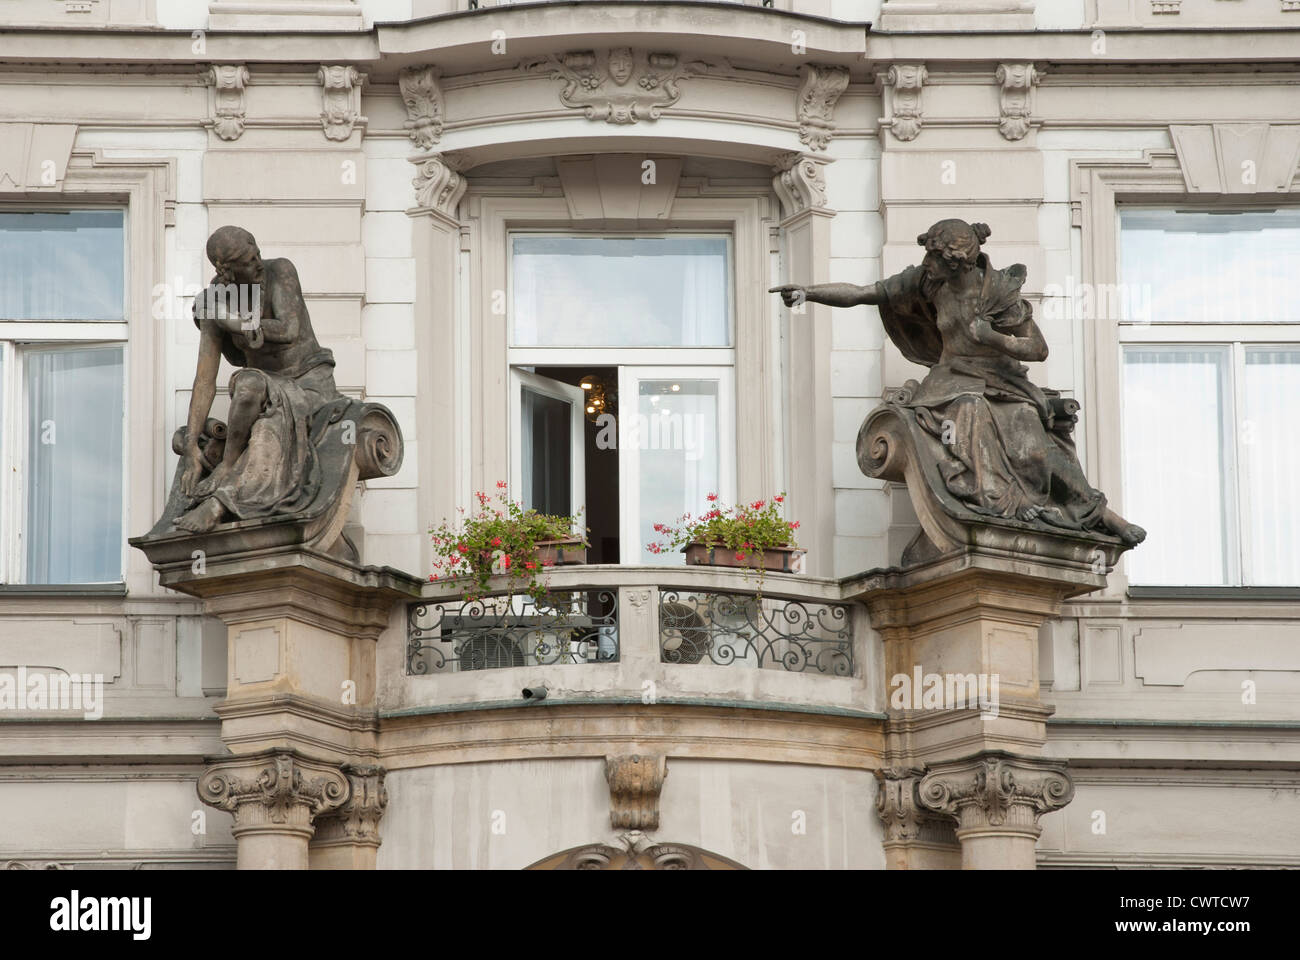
(356, 821)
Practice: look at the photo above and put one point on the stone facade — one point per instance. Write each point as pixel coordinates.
(388, 147)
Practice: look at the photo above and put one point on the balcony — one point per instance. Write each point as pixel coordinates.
(638, 634)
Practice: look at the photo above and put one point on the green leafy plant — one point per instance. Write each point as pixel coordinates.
(499, 538)
(747, 531)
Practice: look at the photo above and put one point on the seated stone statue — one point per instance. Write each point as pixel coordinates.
(999, 445)
(293, 446)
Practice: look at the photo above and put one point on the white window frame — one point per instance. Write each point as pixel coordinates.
(546, 386)
(18, 338)
(1279, 334)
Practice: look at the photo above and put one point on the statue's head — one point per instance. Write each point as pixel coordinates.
(233, 251)
(951, 246)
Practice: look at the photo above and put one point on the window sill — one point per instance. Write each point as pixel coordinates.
(63, 589)
(1214, 593)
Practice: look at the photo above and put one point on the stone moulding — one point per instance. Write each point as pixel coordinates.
(889, 448)
(819, 90)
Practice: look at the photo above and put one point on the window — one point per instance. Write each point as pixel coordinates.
(62, 320)
(1211, 368)
(645, 323)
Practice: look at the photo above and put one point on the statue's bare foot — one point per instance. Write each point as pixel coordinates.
(1130, 533)
(202, 518)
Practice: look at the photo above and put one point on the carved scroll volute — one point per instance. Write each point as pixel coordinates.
(422, 96)
(800, 183)
(815, 106)
(635, 782)
(907, 81)
(996, 790)
(228, 105)
(438, 182)
(278, 788)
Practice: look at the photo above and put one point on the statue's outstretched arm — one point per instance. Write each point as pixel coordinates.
(831, 294)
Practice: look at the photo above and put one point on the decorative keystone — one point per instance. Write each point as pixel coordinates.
(635, 782)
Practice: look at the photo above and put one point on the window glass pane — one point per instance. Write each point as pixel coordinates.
(1210, 267)
(621, 292)
(1271, 465)
(1174, 398)
(679, 451)
(62, 265)
(74, 465)
(547, 454)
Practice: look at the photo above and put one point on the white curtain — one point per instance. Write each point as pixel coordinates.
(74, 465)
(62, 265)
(1271, 465)
(1173, 463)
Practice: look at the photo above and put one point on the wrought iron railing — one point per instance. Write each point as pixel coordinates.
(513, 630)
(740, 628)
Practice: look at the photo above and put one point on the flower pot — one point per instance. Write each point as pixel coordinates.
(779, 559)
(561, 553)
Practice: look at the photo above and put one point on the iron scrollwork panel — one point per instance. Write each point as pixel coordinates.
(728, 628)
(512, 630)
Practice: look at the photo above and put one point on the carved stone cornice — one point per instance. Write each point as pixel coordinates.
(438, 182)
(278, 791)
(907, 81)
(357, 820)
(815, 105)
(340, 99)
(996, 790)
(620, 85)
(635, 782)
(1017, 81)
(229, 108)
(422, 95)
(800, 183)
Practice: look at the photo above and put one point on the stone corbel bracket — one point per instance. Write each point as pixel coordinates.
(800, 182)
(995, 789)
(439, 183)
(907, 82)
(278, 791)
(227, 106)
(356, 821)
(819, 91)
(635, 782)
(422, 95)
(892, 446)
(340, 99)
(1017, 81)
(904, 817)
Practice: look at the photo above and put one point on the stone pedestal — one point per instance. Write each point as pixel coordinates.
(966, 724)
(303, 782)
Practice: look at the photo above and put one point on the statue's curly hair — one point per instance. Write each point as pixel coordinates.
(955, 238)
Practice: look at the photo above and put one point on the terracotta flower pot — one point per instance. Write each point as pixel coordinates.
(561, 553)
(780, 559)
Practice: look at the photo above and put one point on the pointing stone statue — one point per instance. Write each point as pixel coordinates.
(981, 442)
(292, 447)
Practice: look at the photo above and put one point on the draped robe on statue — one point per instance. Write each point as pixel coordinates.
(993, 439)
